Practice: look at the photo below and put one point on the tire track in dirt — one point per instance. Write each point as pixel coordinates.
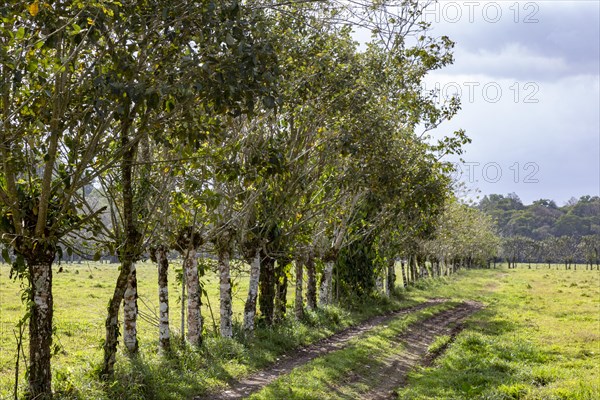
(286, 363)
(416, 341)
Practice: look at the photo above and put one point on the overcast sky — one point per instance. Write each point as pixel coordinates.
(528, 72)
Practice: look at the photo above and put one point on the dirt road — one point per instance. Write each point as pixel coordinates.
(383, 378)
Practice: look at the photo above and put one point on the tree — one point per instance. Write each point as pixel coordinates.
(589, 248)
(566, 247)
(50, 136)
(512, 249)
(464, 233)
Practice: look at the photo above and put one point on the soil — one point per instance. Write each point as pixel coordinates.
(286, 363)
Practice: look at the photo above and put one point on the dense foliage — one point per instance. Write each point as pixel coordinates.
(255, 131)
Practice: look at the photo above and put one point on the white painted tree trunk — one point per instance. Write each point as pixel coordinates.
(325, 289)
(225, 294)
(130, 312)
(424, 271)
(250, 307)
(299, 302)
(194, 322)
(40, 330)
(379, 283)
(163, 300)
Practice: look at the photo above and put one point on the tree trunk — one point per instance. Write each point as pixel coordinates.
(325, 289)
(311, 283)
(416, 269)
(40, 330)
(164, 344)
(128, 255)
(130, 313)
(413, 268)
(403, 270)
(194, 300)
(299, 304)
(424, 271)
(379, 284)
(281, 284)
(420, 266)
(266, 298)
(391, 277)
(112, 322)
(183, 303)
(250, 307)
(225, 293)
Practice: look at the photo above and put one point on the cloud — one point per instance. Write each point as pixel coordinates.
(530, 96)
(514, 60)
(555, 141)
(564, 34)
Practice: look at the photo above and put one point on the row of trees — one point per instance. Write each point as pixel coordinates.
(567, 250)
(258, 129)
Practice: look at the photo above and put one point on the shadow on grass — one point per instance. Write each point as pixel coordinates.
(182, 373)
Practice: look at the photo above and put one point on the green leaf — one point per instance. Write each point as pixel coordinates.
(20, 33)
(76, 29)
(169, 105)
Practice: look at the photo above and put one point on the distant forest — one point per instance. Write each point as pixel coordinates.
(543, 218)
(545, 232)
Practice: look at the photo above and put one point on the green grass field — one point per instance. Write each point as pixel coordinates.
(537, 338)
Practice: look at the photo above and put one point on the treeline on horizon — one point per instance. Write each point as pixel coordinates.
(545, 232)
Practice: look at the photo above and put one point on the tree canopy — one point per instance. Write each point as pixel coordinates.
(258, 130)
